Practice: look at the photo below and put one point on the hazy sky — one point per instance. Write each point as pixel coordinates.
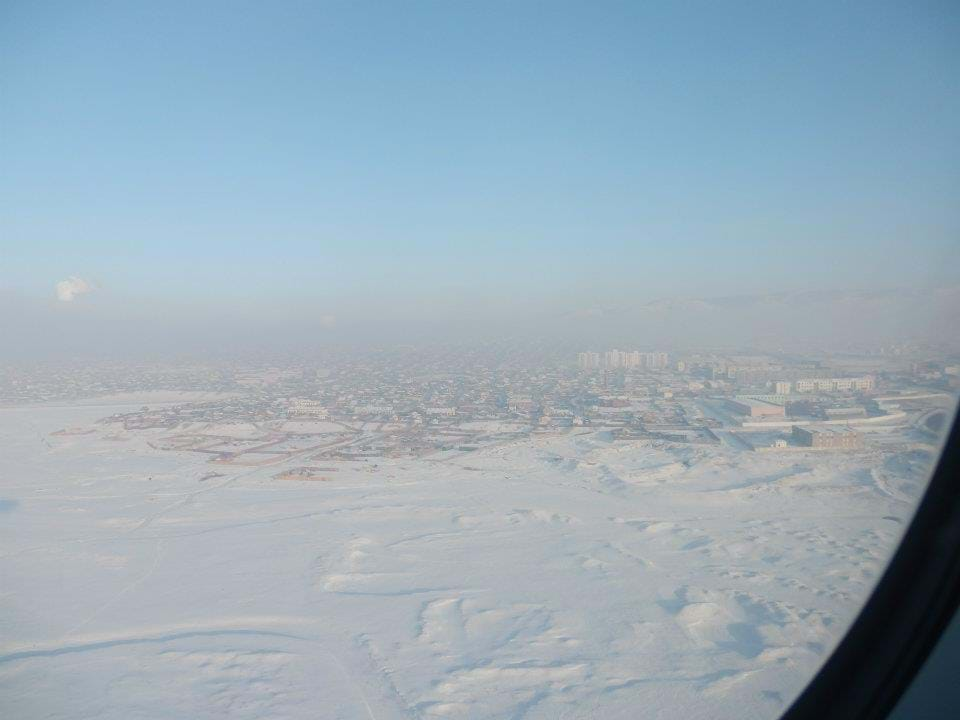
(202, 157)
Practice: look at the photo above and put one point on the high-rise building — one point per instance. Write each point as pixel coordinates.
(588, 360)
(611, 359)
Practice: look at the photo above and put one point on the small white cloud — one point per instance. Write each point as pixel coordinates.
(68, 289)
(328, 321)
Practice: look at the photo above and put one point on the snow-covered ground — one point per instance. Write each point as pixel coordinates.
(558, 576)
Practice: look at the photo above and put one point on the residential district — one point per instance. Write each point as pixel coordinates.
(433, 402)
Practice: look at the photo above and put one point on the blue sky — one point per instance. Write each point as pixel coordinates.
(209, 154)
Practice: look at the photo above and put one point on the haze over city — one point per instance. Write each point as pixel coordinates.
(414, 171)
(432, 360)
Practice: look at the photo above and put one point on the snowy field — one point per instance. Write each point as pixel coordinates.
(562, 576)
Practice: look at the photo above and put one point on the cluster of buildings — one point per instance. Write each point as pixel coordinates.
(410, 402)
(612, 359)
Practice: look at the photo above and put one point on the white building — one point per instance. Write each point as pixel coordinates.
(373, 409)
(862, 384)
(445, 411)
(307, 408)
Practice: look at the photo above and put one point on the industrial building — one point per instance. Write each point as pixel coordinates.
(836, 413)
(750, 407)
